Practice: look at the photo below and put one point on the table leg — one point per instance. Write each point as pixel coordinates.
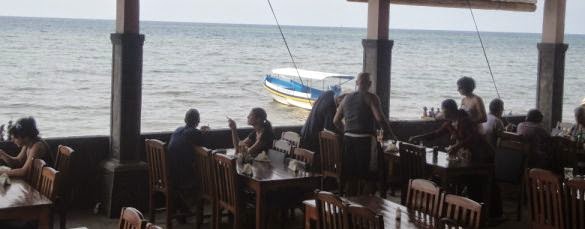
(260, 214)
(45, 221)
(487, 191)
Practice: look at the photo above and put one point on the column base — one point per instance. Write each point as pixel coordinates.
(125, 185)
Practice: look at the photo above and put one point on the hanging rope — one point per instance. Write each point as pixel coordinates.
(289, 52)
(483, 48)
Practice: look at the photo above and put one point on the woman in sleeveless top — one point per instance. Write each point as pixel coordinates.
(26, 136)
(471, 103)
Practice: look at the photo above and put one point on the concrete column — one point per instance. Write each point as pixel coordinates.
(125, 175)
(378, 51)
(551, 63)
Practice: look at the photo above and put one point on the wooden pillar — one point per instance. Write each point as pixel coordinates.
(378, 51)
(125, 176)
(551, 63)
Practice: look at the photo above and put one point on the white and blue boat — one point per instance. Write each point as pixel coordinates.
(301, 88)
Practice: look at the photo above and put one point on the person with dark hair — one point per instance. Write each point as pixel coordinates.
(533, 131)
(258, 140)
(25, 135)
(320, 118)
(471, 103)
(459, 127)
(361, 111)
(494, 123)
(181, 156)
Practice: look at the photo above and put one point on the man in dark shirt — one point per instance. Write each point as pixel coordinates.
(361, 111)
(181, 156)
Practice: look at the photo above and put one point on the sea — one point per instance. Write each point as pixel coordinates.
(59, 70)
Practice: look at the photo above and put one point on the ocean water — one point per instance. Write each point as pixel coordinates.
(59, 70)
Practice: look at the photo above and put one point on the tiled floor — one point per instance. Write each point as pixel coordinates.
(92, 221)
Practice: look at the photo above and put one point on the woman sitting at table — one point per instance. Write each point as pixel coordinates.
(459, 126)
(258, 140)
(25, 135)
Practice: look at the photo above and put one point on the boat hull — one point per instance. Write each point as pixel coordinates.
(289, 97)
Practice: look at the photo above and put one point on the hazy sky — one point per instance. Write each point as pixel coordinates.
(299, 12)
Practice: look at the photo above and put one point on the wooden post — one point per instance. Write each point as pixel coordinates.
(378, 51)
(551, 63)
(125, 177)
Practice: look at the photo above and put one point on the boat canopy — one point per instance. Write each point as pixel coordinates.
(314, 75)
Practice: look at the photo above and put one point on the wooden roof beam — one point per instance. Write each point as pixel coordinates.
(475, 4)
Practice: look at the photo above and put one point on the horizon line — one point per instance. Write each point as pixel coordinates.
(288, 25)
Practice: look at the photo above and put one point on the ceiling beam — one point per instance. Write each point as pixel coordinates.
(475, 4)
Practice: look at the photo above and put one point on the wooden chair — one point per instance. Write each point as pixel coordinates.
(283, 147)
(412, 166)
(158, 177)
(423, 197)
(575, 203)
(49, 183)
(204, 166)
(332, 211)
(227, 189)
(331, 162)
(464, 212)
(305, 156)
(564, 152)
(364, 218)
(34, 175)
(545, 199)
(291, 137)
(130, 218)
(511, 159)
(63, 165)
(152, 226)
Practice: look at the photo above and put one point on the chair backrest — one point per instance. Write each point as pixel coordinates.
(564, 152)
(152, 226)
(283, 147)
(63, 161)
(226, 181)
(511, 157)
(291, 137)
(544, 199)
(131, 218)
(463, 211)
(423, 196)
(49, 183)
(34, 174)
(305, 156)
(332, 211)
(412, 162)
(575, 203)
(330, 145)
(156, 158)
(204, 166)
(364, 218)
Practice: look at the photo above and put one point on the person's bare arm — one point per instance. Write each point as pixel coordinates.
(35, 152)
(480, 107)
(234, 130)
(254, 146)
(339, 116)
(376, 108)
(14, 161)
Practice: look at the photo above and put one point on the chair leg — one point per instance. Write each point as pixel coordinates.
(151, 208)
(170, 211)
(200, 209)
(63, 218)
(520, 202)
(217, 221)
(307, 221)
(237, 220)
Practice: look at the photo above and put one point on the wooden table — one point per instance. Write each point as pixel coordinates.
(450, 171)
(275, 178)
(20, 201)
(381, 206)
